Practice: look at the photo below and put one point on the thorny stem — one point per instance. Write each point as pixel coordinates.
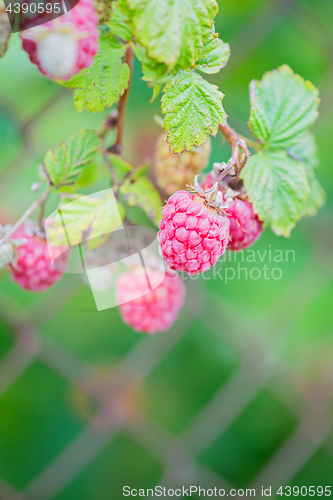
(225, 173)
(253, 144)
(238, 145)
(38, 203)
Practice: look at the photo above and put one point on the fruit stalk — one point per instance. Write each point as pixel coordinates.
(117, 120)
(238, 146)
(118, 147)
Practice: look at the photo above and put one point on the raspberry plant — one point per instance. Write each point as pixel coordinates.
(177, 45)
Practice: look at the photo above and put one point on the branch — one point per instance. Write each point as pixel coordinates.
(252, 144)
(118, 146)
(116, 119)
(38, 203)
(240, 152)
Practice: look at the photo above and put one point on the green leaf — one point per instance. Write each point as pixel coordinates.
(277, 186)
(193, 108)
(104, 29)
(65, 164)
(141, 171)
(121, 166)
(306, 151)
(118, 24)
(125, 10)
(142, 193)
(283, 107)
(102, 84)
(154, 73)
(90, 175)
(85, 218)
(215, 54)
(173, 31)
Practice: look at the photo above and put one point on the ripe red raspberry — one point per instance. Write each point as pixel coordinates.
(32, 269)
(155, 311)
(62, 47)
(245, 226)
(192, 237)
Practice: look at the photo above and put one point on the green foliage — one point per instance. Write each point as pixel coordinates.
(137, 190)
(306, 150)
(102, 84)
(90, 174)
(193, 108)
(280, 180)
(85, 218)
(65, 164)
(173, 32)
(215, 54)
(121, 166)
(283, 107)
(277, 186)
(118, 25)
(154, 73)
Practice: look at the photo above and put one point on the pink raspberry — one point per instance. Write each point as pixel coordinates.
(62, 47)
(154, 311)
(32, 270)
(245, 226)
(192, 237)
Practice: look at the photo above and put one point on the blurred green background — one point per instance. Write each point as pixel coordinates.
(239, 392)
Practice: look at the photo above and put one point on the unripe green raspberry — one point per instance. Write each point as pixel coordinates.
(103, 9)
(174, 171)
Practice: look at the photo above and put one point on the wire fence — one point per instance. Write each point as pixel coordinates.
(114, 406)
